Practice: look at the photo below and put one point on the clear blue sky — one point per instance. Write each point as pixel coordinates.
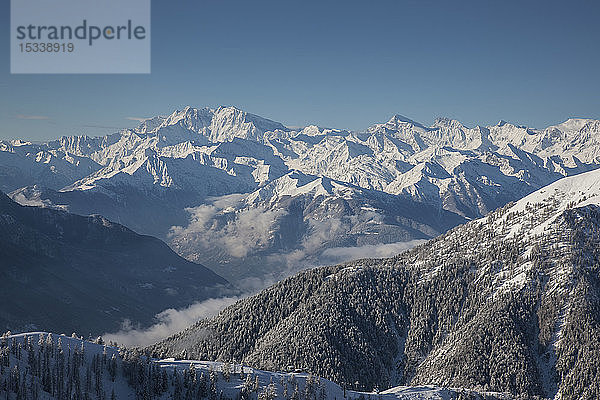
(344, 64)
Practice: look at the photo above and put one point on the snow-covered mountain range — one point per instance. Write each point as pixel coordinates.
(272, 191)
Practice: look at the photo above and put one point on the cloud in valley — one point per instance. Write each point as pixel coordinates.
(341, 254)
(237, 233)
(169, 322)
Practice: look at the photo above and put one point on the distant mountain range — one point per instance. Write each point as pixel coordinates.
(509, 302)
(249, 197)
(71, 273)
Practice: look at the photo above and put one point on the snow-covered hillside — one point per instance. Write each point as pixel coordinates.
(147, 177)
(40, 365)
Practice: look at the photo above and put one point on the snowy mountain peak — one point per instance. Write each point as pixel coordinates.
(574, 124)
(191, 118)
(398, 120)
(207, 152)
(19, 142)
(444, 122)
(293, 184)
(208, 125)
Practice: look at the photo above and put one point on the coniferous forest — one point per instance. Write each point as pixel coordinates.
(507, 303)
(46, 366)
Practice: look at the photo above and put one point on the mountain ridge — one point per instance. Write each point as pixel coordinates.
(152, 178)
(507, 302)
(69, 272)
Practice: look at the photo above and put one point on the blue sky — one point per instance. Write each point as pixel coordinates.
(344, 64)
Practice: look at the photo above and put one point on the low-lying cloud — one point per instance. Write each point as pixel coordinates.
(342, 254)
(229, 227)
(238, 232)
(170, 321)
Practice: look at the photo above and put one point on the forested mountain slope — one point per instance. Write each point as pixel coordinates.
(510, 302)
(68, 273)
(47, 366)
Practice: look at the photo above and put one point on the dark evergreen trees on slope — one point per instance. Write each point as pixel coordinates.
(491, 305)
(51, 367)
(65, 273)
